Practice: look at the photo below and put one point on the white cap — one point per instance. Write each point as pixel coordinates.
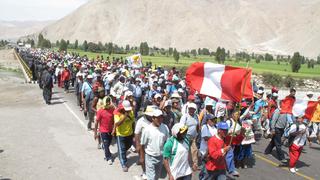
(126, 105)
(128, 93)
(309, 93)
(192, 105)
(89, 76)
(180, 90)
(275, 94)
(168, 103)
(175, 95)
(157, 113)
(157, 96)
(260, 91)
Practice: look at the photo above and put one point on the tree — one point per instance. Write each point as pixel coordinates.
(109, 48)
(268, 57)
(57, 43)
(205, 51)
(76, 44)
(85, 45)
(199, 51)
(170, 51)
(93, 47)
(144, 48)
(40, 40)
(68, 42)
(63, 45)
(221, 55)
(194, 52)
(176, 55)
(296, 62)
(127, 48)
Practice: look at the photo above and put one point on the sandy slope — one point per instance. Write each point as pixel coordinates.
(279, 26)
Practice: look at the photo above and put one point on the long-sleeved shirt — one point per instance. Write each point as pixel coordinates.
(216, 160)
(278, 120)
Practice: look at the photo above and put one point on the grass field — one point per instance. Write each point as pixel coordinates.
(262, 67)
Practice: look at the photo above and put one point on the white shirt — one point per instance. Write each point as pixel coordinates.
(153, 139)
(301, 138)
(142, 123)
(206, 131)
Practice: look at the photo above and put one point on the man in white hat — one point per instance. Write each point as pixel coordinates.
(153, 139)
(191, 121)
(124, 121)
(141, 124)
(168, 116)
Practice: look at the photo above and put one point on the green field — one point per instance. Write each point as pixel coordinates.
(262, 67)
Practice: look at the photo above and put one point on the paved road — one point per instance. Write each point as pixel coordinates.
(38, 141)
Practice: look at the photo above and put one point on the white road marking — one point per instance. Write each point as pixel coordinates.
(73, 113)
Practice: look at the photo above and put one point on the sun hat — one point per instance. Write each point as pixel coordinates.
(192, 105)
(178, 128)
(149, 110)
(157, 113)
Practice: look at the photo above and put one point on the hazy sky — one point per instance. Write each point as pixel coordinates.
(37, 9)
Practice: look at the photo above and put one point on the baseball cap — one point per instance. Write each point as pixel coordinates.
(260, 91)
(157, 113)
(222, 125)
(89, 76)
(126, 105)
(275, 94)
(157, 96)
(180, 90)
(192, 105)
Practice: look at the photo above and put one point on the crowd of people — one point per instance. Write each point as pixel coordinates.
(151, 111)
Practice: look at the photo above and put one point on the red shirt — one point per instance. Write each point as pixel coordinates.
(272, 107)
(105, 119)
(216, 161)
(287, 105)
(65, 75)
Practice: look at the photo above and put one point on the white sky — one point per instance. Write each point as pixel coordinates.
(22, 10)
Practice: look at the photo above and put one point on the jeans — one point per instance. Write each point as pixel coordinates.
(230, 160)
(276, 142)
(153, 166)
(66, 85)
(106, 139)
(216, 175)
(123, 143)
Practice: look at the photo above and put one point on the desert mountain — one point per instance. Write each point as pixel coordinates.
(14, 29)
(277, 26)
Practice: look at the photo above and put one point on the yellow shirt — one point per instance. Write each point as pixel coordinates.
(316, 115)
(126, 128)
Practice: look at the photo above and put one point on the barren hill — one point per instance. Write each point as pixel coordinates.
(278, 26)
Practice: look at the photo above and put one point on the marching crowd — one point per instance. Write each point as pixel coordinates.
(151, 111)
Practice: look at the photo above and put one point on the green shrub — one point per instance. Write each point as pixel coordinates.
(272, 79)
(289, 82)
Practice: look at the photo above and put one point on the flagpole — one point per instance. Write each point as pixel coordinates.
(241, 95)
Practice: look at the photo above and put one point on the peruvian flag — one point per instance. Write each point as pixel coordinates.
(220, 81)
(304, 108)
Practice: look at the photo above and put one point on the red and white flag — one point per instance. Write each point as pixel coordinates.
(220, 81)
(304, 108)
